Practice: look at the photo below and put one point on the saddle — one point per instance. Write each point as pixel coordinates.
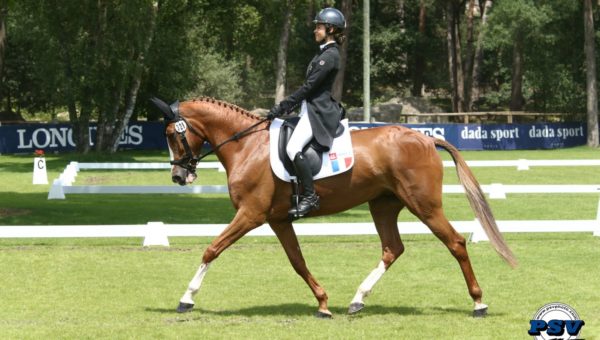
(323, 162)
(312, 151)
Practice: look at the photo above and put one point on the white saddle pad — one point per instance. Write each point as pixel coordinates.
(336, 161)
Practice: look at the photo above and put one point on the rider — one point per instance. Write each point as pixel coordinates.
(320, 113)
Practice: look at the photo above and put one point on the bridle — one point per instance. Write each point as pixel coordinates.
(189, 161)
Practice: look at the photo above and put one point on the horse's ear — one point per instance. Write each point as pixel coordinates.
(163, 107)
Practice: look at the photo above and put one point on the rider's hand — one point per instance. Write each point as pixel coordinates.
(276, 111)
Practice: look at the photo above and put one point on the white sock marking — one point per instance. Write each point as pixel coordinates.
(194, 285)
(367, 285)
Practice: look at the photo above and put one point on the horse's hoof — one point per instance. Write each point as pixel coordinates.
(355, 307)
(480, 313)
(323, 315)
(185, 307)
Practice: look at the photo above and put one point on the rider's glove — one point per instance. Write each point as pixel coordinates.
(276, 111)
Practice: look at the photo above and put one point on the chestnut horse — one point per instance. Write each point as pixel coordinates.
(395, 167)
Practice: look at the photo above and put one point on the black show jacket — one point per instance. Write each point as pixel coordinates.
(323, 111)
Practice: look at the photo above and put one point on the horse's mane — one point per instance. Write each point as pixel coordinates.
(227, 105)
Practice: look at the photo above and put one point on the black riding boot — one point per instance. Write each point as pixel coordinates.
(308, 199)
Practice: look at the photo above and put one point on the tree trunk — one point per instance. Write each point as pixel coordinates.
(454, 56)
(282, 53)
(478, 59)
(136, 80)
(419, 68)
(469, 55)
(516, 97)
(460, 75)
(3, 14)
(338, 85)
(590, 70)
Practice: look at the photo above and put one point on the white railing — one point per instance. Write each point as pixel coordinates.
(494, 190)
(63, 185)
(157, 233)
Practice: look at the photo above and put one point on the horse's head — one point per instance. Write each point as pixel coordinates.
(182, 140)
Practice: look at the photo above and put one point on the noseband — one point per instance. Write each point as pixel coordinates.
(189, 161)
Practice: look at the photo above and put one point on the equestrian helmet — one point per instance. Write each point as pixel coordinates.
(331, 16)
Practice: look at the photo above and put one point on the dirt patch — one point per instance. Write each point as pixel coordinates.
(94, 180)
(8, 212)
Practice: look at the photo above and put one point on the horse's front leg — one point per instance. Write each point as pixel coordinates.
(243, 222)
(287, 236)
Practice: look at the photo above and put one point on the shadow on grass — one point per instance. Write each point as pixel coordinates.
(299, 309)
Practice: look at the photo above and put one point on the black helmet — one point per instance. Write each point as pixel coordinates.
(331, 16)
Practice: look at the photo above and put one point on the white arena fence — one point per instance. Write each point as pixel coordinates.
(63, 184)
(157, 233)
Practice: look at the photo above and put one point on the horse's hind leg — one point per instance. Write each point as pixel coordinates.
(287, 236)
(455, 242)
(385, 212)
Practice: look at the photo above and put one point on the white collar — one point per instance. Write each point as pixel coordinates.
(325, 44)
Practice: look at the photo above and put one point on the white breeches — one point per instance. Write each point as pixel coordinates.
(302, 134)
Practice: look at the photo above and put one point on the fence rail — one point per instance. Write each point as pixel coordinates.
(509, 115)
(157, 233)
(63, 185)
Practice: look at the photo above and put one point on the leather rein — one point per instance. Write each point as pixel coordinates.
(189, 161)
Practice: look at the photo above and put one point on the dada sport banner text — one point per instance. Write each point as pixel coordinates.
(27, 138)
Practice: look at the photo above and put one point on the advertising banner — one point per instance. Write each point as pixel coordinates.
(27, 138)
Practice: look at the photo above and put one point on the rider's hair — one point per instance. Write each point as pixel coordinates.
(338, 35)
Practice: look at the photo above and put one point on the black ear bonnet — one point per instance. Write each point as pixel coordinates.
(170, 112)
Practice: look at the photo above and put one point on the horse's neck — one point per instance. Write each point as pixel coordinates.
(220, 123)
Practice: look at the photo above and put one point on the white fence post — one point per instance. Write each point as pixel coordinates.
(478, 233)
(56, 190)
(497, 191)
(597, 231)
(522, 164)
(156, 235)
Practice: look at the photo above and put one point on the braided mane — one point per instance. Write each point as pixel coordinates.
(227, 105)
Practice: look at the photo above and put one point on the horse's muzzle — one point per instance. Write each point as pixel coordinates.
(182, 176)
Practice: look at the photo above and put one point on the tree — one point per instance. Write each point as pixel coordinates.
(590, 70)
(282, 53)
(455, 67)
(338, 85)
(478, 57)
(419, 55)
(516, 26)
(3, 14)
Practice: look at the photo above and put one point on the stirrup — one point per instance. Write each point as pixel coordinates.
(306, 205)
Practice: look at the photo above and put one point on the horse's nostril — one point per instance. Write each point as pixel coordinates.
(177, 179)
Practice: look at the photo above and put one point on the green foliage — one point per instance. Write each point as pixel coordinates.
(86, 52)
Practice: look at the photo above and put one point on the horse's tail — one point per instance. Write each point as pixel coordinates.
(478, 203)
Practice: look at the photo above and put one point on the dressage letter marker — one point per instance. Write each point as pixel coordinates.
(39, 171)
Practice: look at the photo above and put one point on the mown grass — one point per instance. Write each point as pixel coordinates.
(114, 288)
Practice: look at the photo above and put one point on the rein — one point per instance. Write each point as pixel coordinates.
(189, 161)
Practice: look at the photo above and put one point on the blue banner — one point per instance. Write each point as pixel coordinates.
(150, 135)
(502, 136)
(27, 138)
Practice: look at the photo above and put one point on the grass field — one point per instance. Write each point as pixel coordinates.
(114, 288)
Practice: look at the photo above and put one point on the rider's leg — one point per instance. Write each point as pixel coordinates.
(301, 136)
